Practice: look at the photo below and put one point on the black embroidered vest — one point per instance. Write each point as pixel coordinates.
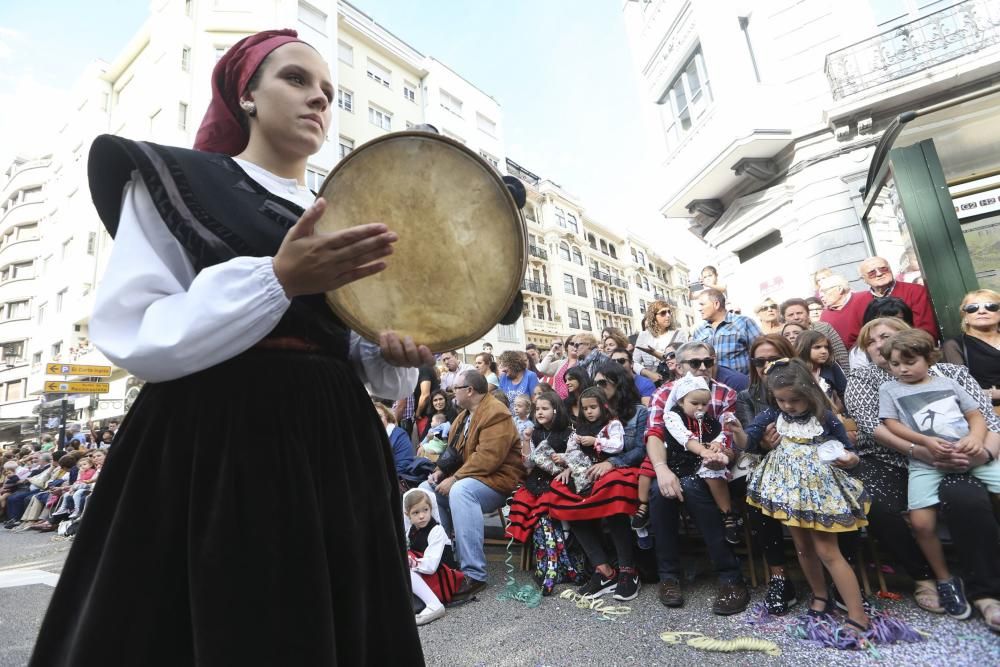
(216, 211)
(418, 543)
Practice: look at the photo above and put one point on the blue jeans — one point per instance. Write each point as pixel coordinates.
(462, 513)
(664, 524)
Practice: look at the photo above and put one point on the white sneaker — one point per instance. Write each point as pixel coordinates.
(426, 616)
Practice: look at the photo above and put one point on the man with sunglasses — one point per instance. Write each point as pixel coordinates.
(669, 490)
(643, 385)
(729, 333)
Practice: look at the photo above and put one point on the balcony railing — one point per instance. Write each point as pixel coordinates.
(537, 287)
(600, 275)
(624, 310)
(604, 305)
(963, 28)
(659, 296)
(618, 282)
(540, 253)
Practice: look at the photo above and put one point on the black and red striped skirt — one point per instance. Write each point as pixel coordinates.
(444, 582)
(617, 492)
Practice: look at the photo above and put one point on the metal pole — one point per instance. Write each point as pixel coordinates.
(62, 425)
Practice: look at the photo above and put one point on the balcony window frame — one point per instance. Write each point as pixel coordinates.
(569, 284)
(678, 104)
(564, 251)
(345, 99)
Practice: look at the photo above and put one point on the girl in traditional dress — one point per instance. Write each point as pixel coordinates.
(434, 573)
(811, 495)
(215, 295)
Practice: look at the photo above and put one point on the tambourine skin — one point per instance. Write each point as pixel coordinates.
(451, 210)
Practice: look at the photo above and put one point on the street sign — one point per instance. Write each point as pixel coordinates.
(78, 369)
(54, 387)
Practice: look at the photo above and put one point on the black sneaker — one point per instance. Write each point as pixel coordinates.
(628, 584)
(641, 517)
(732, 523)
(780, 595)
(599, 585)
(952, 594)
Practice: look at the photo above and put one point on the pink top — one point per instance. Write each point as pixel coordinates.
(559, 379)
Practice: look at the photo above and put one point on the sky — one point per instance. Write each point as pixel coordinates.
(560, 69)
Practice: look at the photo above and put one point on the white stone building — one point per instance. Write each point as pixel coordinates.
(584, 276)
(767, 115)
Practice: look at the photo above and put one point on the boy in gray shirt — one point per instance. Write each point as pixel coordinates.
(935, 413)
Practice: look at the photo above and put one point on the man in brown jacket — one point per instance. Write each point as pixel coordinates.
(485, 435)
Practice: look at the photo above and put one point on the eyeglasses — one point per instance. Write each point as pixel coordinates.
(878, 271)
(663, 312)
(621, 360)
(974, 307)
(707, 362)
(767, 307)
(460, 386)
(760, 362)
(571, 344)
(670, 355)
(602, 383)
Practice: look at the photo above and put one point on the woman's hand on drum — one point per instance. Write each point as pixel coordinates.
(404, 352)
(312, 263)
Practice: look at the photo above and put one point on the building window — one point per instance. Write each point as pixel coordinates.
(635, 258)
(592, 241)
(64, 251)
(489, 158)
(410, 91)
(378, 73)
(36, 358)
(561, 218)
(41, 313)
(59, 299)
(451, 103)
(685, 100)
(219, 52)
(346, 146)
(182, 116)
(312, 17)
(15, 390)
(571, 223)
(507, 333)
(585, 320)
(569, 285)
(574, 318)
(564, 251)
(642, 307)
(105, 101)
(645, 284)
(611, 248)
(380, 118)
(577, 256)
(581, 287)
(187, 7)
(604, 247)
(17, 310)
(345, 53)
(486, 125)
(345, 100)
(12, 352)
(314, 178)
(56, 349)
(91, 243)
(186, 59)
(642, 259)
(452, 135)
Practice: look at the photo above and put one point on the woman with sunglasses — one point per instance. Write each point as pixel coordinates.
(767, 315)
(660, 332)
(978, 348)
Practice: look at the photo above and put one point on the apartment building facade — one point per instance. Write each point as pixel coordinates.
(767, 116)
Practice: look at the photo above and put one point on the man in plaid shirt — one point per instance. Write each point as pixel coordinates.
(664, 497)
(729, 334)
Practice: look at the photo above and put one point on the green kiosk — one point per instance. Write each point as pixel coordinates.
(932, 199)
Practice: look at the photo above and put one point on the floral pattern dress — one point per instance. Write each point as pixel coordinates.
(795, 486)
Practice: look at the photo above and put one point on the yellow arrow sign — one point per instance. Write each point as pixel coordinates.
(78, 369)
(77, 387)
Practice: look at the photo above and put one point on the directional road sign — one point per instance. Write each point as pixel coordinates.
(55, 387)
(78, 369)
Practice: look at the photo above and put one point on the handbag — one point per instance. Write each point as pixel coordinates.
(450, 461)
(41, 479)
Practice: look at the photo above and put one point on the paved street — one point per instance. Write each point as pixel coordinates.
(491, 632)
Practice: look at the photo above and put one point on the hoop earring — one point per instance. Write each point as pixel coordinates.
(249, 107)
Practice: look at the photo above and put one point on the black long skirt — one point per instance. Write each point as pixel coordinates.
(247, 515)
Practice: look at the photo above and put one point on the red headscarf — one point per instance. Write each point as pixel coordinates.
(221, 131)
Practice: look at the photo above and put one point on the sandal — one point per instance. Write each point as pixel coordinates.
(990, 609)
(857, 626)
(825, 611)
(641, 517)
(926, 595)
